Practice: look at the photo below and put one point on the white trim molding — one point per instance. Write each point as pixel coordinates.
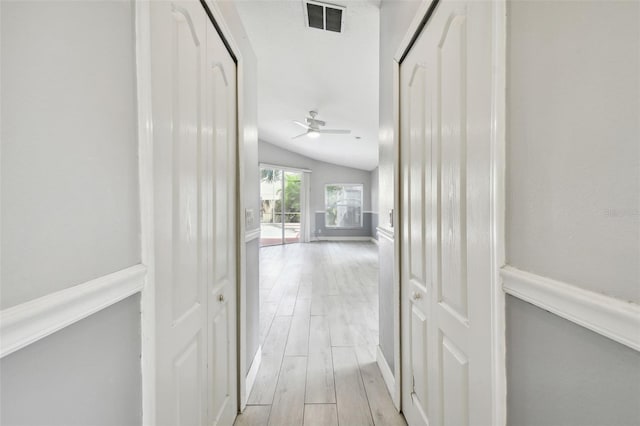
(253, 371)
(343, 238)
(145, 172)
(498, 211)
(251, 235)
(29, 322)
(385, 233)
(393, 379)
(616, 319)
(387, 375)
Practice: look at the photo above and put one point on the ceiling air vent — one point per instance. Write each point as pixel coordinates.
(324, 16)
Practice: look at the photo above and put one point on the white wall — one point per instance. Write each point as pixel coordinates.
(395, 17)
(70, 204)
(69, 145)
(573, 188)
(574, 151)
(374, 201)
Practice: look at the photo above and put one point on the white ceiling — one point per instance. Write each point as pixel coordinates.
(301, 68)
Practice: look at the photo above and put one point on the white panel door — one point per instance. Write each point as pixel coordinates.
(445, 113)
(219, 195)
(194, 110)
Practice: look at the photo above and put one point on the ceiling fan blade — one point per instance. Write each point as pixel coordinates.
(334, 131)
(300, 135)
(301, 124)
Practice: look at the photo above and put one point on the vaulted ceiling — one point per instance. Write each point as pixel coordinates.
(302, 68)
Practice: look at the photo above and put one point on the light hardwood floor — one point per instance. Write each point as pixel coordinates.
(319, 332)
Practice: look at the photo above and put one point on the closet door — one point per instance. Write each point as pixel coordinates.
(219, 195)
(446, 123)
(193, 84)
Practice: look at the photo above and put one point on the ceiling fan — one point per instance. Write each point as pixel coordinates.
(313, 127)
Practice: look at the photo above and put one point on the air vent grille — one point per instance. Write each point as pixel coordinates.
(333, 19)
(316, 16)
(324, 16)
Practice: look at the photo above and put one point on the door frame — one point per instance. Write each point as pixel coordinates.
(497, 209)
(146, 184)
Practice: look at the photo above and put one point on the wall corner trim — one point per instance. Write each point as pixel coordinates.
(253, 371)
(31, 321)
(614, 318)
(251, 235)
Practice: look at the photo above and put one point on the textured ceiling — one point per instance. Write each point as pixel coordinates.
(301, 68)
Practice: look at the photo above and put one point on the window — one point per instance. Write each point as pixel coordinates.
(343, 205)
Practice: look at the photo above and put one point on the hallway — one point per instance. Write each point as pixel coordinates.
(319, 331)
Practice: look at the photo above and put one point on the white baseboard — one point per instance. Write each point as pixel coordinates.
(384, 232)
(387, 374)
(251, 235)
(343, 238)
(616, 319)
(29, 322)
(253, 371)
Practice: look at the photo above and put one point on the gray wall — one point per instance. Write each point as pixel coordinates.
(85, 374)
(70, 204)
(573, 185)
(563, 374)
(321, 230)
(250, 194)
(253, 300)
(322, 173)
(395, 17)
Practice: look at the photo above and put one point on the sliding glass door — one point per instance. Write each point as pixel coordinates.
(271, 207)
(291, 218)
(280, 211)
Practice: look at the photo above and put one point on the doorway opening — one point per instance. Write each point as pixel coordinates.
(314, 310)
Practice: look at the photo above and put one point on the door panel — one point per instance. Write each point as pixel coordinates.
(416, 179)
(186, 144)
(419, 357)
(220, 137)
(188, 370)
(455, 385)
(445, 125)
(451, 68)
(218, 94)
(194, 104)
(418, 155)
(221, 379)
(180, 287)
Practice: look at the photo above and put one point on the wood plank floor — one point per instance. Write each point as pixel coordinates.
(319, 332)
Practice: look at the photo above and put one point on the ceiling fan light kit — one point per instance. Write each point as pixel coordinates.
(314, 125)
